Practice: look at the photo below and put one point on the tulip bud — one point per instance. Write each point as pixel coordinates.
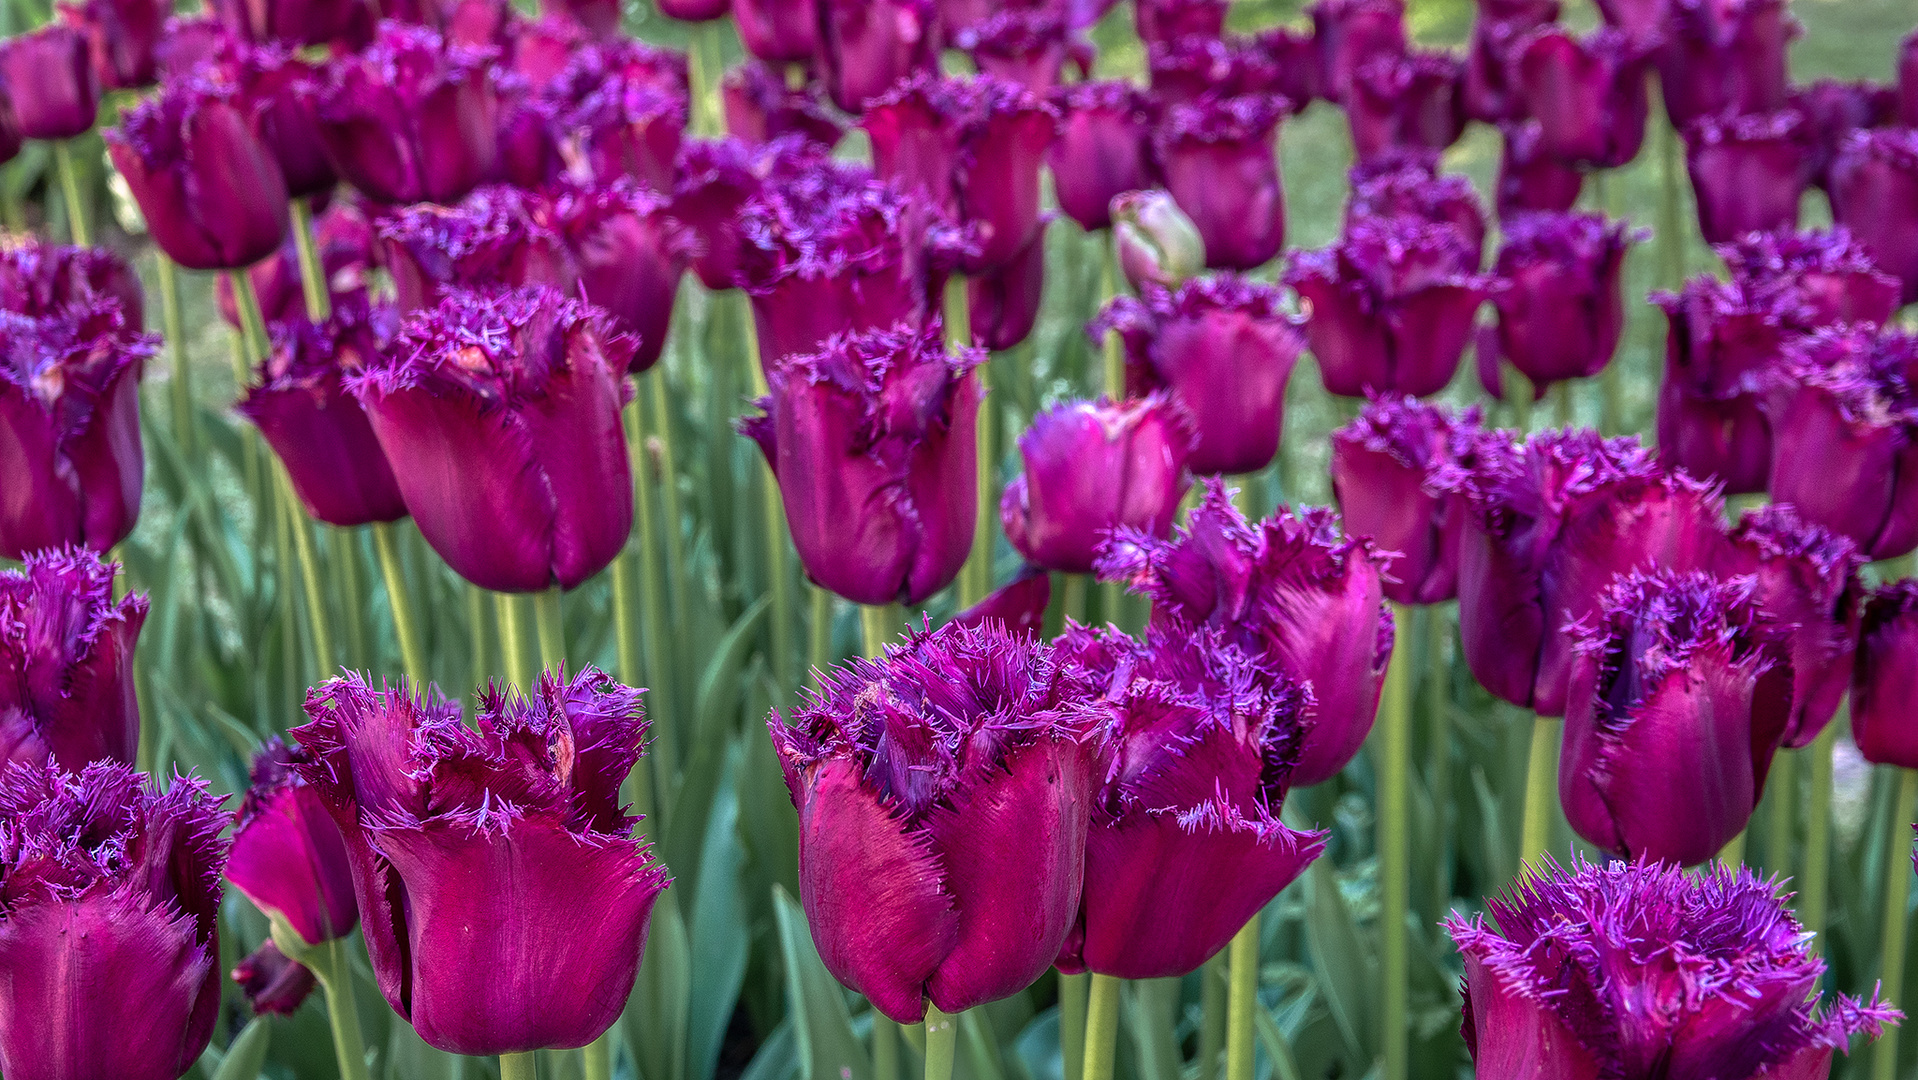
(778, 31)
(1154, 240)
(1587, 94)
(1390, 306)
(1748, 171)
(70, 427)
(871, 440)
(1874, 187)
(1413, 100)
(1019, 605)
(1025, 48)
(1223, 347)
(292, 22)
(499, 412)
(1394, 473)
(288, 856)
(1101, 150)
(276, 95)
(1561, 311)
(1561, 987)
(1220, 162)
(1722, 338)
(1185, 843)
(1813, 278)
(1169, 20)
(1403, 186)
(495, 236)
(1489, 92)
(1724, 57)
(1004, 303)
(865, 47)
(629, 256)
(1886, 676)
(67, 648)
(1833, 110)
(1350, 32)
(489, 854)
(1806, 582)
(271, 981)
(1531, 179)
(109, 937)
(942, 797)
(761, 108)
(39, 279)
(1291, 593)
(121, 35)
(50, 79)
(412, 118)
(1844, 422)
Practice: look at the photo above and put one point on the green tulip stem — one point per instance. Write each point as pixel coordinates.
(512, 641)
(313, 285)
(596, 1058)
(1102, 1027)
(1212, 979)
(330, 966)
(550, 627)
(344, 561)
(942, 1039)
(975, 578)
(878, 625)
(670, 520)
(70, 190)
(885, 1047)
(652, 611)
(1541, 791)
(1242, 1001)
(1815, 882)
(1783, 786)
(1436, 691)
(1891, 974)
(1395, 850)
(173, 324)
(324, 659)
(518, 1067)
(1112, 351)
(778, 566)
(819, 653)
(405, 621)
(1073, 991)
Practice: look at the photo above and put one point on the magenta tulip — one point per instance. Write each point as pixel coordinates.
(1351, 32)
(412, 118)
(1806, 581)
(1413, 100)
(1219, 159)
(40, 279)
(1394, 473)
(271, 981)
(1169, 20)
(778, 31)
(1102, 148)
(1027, 48)
(121, 36)
(48, 76)
(1748, 172)
(629, 255)
(1724, 57)
(288, 856)
(1562, 309)
(496, 236)
(1722, 339)
(1004, 303)
(1833, 110)
(1587, 94)
(1019, 605)
(865, 47)
(1490, 92)
(1818, 278)
(1529, 178)
(1886, 676)
(1396, 186)
(1874, 190)
(67, 695)
(761, 108)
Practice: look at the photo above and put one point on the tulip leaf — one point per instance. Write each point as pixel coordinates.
(777, 1057)
(718, 708)
(656, 1014)
(246, 1054)
(1345, 967)
(828, 1049)
(718, 946)
(1150, 1004)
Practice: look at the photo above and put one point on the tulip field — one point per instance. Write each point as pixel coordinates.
(897, 539)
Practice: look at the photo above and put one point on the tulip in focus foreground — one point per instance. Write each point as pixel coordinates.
(66, 662)
(288, 856)
(1886, 677)
(1394, 473)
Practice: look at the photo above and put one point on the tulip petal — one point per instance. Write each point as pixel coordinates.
(1513, 1033)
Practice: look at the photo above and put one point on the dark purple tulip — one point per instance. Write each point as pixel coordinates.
(1587, 94)
(1721, 340)
(67, 661)
(1027, 48)
(527, 145)
(597, 18)
(629, 256)
(412, 118)
(292, 22)
(871, 440)
(690, 10)
(624, 126)
(1748, 172)
(1561, 311)
(345, 242)
(1675, 707)
(716, 177)
(271, 981)
(50, 79)
(276, 94)
(1814, 278)
(760, 108)
(544, 49)
(498, 235)
(1290, 592)
(1154, 241)
(40, 279)
(1553, 522)
(1350, 32)
(1874, 193)
(1834, 110)
(1531, 179)
(121, 35)
(1396, 186)
(11, 141)
(70, 427)
(109, 939)
(1169, 20)
(1563, 987)
(1807, 584)
(1019, 604)
(288, 856)
(1223, 347)
(1183, 70)
(1393, 473)
(865, 47)
(1886, 677)
(1641, 20)
(1102, 149)
(1219, 158)
(1004, 303)
(778, 31)
(1091, 467)
(316, 428)
(1391, 306)
(1185, 843)
(1288, 65)
(499, 412)
(943, 798)
(1725, 56)
(1489, 92)
(1844, 422)
(1907, 81)
(481, 858)
(188, 43)
(1412, 100)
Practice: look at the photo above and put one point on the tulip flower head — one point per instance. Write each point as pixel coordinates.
(272, 981)
(624, 116)
(778, 31)
(943, 801)
(121, 35)
(109, 952)
(1561, 311)
(1530, 178)
(1587, 94)
(1024, 47)
(277, 92)
(1748, 171)
(1154, 241)
(1806, 581)
(39, 279)
(49, 78)
(1560, 987)
(716, 178)
(687, 10)
(1874, 186)
(1188, 69)
(1408, 187)
(1394, 473)
(411, 118)
(189, 42)
(1004, 303)
(761, 108)
(628, 255)
(66, 647)
(1723, 337)
(1828, 277)
(496, 236)
(866, 47)
(288, 856)
(1886, 676)
(1351, 32)
(1489, 91)
(295, 23)
(1170, 20)
(1101, 150)
(1724, 57)
(483, 857)
(1219, 160)
(1835, 109)
(1411, 100)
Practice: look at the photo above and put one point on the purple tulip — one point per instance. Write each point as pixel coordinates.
(1410, 100)
(1874, 188)
(1219, 158)
(1645, 21)
(543, 50)
(1290, 592)
(1185, 843)
(188, 43)
(1400, 186)
(622, 124)
(1814, 278)
(1019, 605)
(526, 145)
(943, 801)
(121, 35)
(1529, 178)
(1223, 347)
(1553, 522)
(716, 178)
(1391, 306)
(761, 108)
(629, 255)
(1833, 110)
(1027, 48)
(318, 430)
(1393, 473)
(1287, 65)
(497, 235)
(1561, 311)
(871, 440)
(40, 279)
(1489, 92)
(412, 118)
(1183, 70)
(1886, 676)
(499, 412)
(1091, 467)
(597, 19)
(1169, 20)
(481, 858)
(1675, 707)
(1565, 987)
(1844, 421)
(276, 93)
(1587, 94)
(1807, 583)
(1102, 149)
(1004, 303)
(109, 936)
(1722, 339)
(49, 78)
(1907, 81)
(1748, 171)
(70, 427)
(271, 981)
(288, 856)
(66, 651)
(344, 240)
(778, 31)
(691, 10)
(293, 22)
(1154, 241)
(1724, 56)
(865, 47)
(1351, 32)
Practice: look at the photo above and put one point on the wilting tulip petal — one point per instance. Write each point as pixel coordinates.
(1393, 473)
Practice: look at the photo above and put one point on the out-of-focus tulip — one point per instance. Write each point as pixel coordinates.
(1561, 311)
(1531, 179)
(345, 243)
(693, 10)
(1091, 467)
(624, 126)
(1412, 100)
(11, 141)
(1907, 81)
(1675, 707)
(1490, 95)
(1185, 843)
(943, 795)
(499, 412)
(1748, 172)
(1289, 65)
(760, 108)
(1886, 676)
(1004, 303)
(1561, 988)
(1391, 306)
(276, 95)
(498, 235)
(288, 856)
(1219, 158)
(1641, 20)
(1874, 193)
(1223, 347)
(121, 35)
(1844, 422)
(1397, 187)
(1170, 20)
(272, 981)
(70, 428)
(1587, 94)
(188, 42)
(597, 18)
(587, 66)
(292, 22)
(1019, 604)
(483, 857)
(629, 255)
(317, 429)
(49, 78)
(66, 651)
(1290, 592)
(1724, 57)
(778, 31)
(1394, 475)
(1806, 582)
(1183, 70)
(1101, 150)
(412, 118)
(1815, 278)
(39, 279)
(1351, 32)
(865, 47)
(1833, 110)
(1154, 241)
(1721, 340)
(716, 177)
(1024, 47)
(871, 440)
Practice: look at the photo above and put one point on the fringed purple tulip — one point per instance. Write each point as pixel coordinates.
(1748, 172)
(1394, 474)
(498, 235)
(1095, 466)
(1624, 970)
(1641, 20)
(595, 18)
(1490, 92)
(1561, 311)
(526, 147)
(188, 43)
(1291, 593)
(1833, 110)
(121, 35)
(288, 856)
(871, 440)
(1223, 347)
(271, 981)
(1415, 100)
(1816, 278)
(1154, 241)
(1874, 193)
(1102, 149)
(1019, 604)
(778, 31)
(1391, 306)
(622, 124)
(412, 118)
(294, 23)
(276, 95)
(629, 255)
(66, 654)
(1587, 94)
(1351, 32)
(482, 857)
(1027, 48)
(70, 427)
(1189, 69)
(49, 78)
(1722, 338)
(865, 47)
(761, 108)
(499, 412)
(1004, 303)
(1396, 187)
(1220, 162)
(1724, 57)
(1531, 179)
(1185, 843)
(1806, 582)
(1288, 65)
(1169, 20)
(943, 802)
(39, 279)
(716, 178)
(1886, 676)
